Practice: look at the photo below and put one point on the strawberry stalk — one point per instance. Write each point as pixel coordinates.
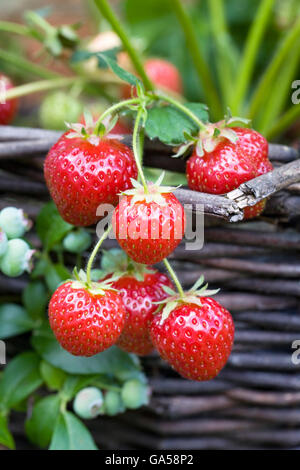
(174, 277)
(26, 66)
(15, 28)
(181, 108)
(108, 13)
(136, 147)
(113, 109)
(94, 254)
(42, 85)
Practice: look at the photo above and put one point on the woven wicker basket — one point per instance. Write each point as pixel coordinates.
(255, 401)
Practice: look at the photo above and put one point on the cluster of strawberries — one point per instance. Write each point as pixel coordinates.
(133, 305)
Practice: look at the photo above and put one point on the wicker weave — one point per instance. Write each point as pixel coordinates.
(255, 401)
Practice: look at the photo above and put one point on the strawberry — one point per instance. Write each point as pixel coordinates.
(139, 287)
(8, 109)
(86, 319)
(149, 226)
(194, 334)
(225, 159)
(163, 74)
(83, 170)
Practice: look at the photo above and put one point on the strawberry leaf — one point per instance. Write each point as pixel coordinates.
(171, 126)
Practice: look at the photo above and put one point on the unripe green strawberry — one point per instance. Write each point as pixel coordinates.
(3, 242)
(88, 403)
(59, 108)
(17, 258)
(14, 222)
(135, 394)
(113, 403)
(77, 241)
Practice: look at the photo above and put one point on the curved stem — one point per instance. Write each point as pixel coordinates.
(24, 65)
(174, 277)
(137, 148)
(182, 108)
(94, 253)
(108, 13)
(15, 28)
(115, 108)
(43, 85)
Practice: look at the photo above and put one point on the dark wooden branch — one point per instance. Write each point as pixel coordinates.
(241, 302)
(267, 361)
(274, 320)
(248, 194)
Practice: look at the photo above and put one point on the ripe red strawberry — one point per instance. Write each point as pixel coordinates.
(149, 226)
(83, 172)
(195, 339)
(163, 74)
(8, 109)
(226, 165)
(86, 322)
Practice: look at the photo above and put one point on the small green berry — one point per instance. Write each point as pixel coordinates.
(77, 241)
(88, 403)
(113, 403)
(59, 108)
(17, 258)
(3, 242)
(135, 394)
(14, 222)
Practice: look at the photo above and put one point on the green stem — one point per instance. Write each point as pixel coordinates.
(270, 74)
(26, 66)
(15, 28)
(94, 253)
(114, 108)
(108, 13)
(174, 277)
(284, 122)
(182, 108)
(43, 85)
(136, 148)
(253, 42)
(200, 64)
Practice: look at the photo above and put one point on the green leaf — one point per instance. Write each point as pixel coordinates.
(52, 376)
(71, 434)
(6, 439)
(40, 427)
(109, 362)
(107, 59)
(20, 378)
(51, 228)
(55, 275)
(169, 125)
(14, 320)
(35, 299)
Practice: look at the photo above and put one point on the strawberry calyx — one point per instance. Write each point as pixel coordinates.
(192, 296)
(116, 261)
(94, 288)
(154, 194)
(92, 131)
(212, 135)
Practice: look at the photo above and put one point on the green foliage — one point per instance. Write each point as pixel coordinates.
(14, 320)
(35, 299)
(6, 439)
(71, 434)
(51, 228)
(169, 124)
(53, 377)
(109, 362)
(20, 378)
(40, 426)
